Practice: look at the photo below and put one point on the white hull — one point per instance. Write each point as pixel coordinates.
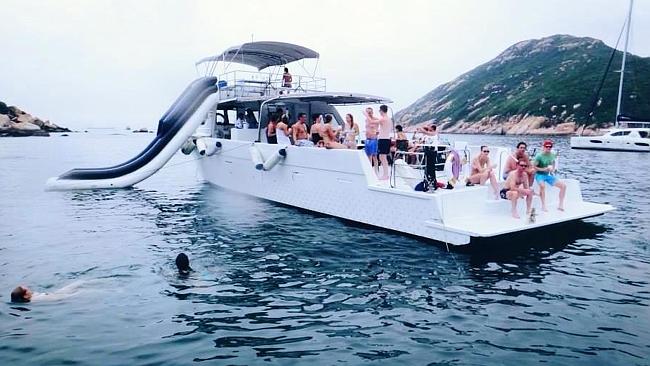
(341, 183)
(616, 140)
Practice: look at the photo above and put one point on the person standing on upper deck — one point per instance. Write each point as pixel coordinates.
(383, 145)
(286, 78)
(370, 144)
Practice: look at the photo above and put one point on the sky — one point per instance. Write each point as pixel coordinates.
(103, 63)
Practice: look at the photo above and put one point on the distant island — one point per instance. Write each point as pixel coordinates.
(16, 123)
(540, 86)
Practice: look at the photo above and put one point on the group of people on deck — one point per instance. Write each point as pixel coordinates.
(519, 175)
(320, 133)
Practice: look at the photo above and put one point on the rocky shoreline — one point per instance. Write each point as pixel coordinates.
(517, 125)
(15, 122)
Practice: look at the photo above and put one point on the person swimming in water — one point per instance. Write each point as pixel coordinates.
(25, 294)
(183, 264)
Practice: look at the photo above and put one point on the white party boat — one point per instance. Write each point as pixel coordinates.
(337, 182)
(629, 134)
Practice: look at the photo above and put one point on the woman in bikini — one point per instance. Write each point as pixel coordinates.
(350, 132)
(483, 170)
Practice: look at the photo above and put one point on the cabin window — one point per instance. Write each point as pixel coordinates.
(621, 133)
(644, 134)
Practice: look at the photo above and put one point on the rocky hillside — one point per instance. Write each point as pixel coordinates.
(542, 86)
(15, 122)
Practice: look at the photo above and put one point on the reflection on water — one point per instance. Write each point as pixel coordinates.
(273, 284)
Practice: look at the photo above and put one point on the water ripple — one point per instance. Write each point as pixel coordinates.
(273, 284)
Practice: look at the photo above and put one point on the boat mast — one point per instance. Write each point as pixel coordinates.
(620, 83)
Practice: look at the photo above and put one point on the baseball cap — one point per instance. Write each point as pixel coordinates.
(548, 143)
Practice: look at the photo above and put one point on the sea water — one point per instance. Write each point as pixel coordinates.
(277, 285)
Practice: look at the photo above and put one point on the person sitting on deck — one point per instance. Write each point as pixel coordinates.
(299, 131)
(241, 121)
(516, 187)
(519, 155)
(283, 131)
(401, 141)
(483, 171)
(545, 169)
(329, 136)
(315, 129)
(271, 135)
(250, 118)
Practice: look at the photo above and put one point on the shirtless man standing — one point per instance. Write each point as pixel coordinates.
(383, 145)
(372, 124)
(517, 187)
(299, 129)
(482, 171)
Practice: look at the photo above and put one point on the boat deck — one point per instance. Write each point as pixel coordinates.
(472, 211)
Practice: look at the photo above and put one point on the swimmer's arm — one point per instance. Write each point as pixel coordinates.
(62, 293)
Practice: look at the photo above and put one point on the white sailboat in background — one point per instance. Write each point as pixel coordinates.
(628, 135)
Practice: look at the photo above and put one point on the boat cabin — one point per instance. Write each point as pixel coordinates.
(255, 95)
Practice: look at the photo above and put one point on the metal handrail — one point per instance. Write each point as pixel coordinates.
(250, 84)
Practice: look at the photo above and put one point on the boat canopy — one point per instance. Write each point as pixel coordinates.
(263, 54)
(334, 98)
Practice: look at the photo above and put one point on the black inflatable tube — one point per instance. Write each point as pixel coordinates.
(172, 121)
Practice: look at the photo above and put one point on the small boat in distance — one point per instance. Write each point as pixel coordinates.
(629, 134)
(223, 119)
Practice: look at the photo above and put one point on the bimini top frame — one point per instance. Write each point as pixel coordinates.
(334, 98)
(262, 54)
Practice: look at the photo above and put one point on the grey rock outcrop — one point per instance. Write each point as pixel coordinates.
(16, 123)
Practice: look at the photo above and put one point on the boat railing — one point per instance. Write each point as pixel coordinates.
(236, 84)
(417, 160)
(633, 124)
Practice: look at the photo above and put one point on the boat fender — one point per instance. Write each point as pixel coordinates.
(206, 148)
(217, 146)
(188, 146)
(256, 156)
(274, 159)
(201, 146)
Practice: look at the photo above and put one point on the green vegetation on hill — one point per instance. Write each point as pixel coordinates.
(554, 77)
